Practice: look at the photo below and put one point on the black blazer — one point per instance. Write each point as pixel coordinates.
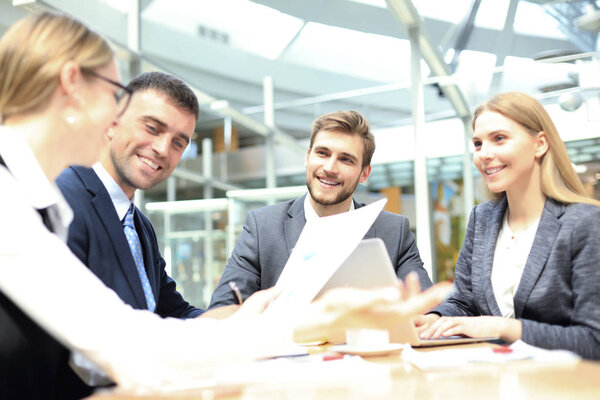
(96, 237)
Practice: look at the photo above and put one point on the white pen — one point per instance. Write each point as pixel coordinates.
(236, 291)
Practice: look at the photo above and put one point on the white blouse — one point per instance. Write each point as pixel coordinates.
(510, 257)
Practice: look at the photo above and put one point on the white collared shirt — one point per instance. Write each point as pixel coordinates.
(510, 257)
(117, 195)
(136, 348)
(32, 181)
(309, 211)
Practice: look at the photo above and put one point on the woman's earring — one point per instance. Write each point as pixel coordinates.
(71, 119)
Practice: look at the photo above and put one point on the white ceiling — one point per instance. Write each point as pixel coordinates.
(327, 55)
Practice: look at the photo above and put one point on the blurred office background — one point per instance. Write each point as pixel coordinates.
(264, 69)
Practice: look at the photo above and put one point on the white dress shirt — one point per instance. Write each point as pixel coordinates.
(309, 211)
(510, 257)
(136, 348)
(116, 194)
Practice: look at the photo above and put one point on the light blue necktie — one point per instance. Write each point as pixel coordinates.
(138, 257)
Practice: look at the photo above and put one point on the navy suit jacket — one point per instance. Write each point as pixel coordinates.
(270, 233)
(96, 237)
(558, 297)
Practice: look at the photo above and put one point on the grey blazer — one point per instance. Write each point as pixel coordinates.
(270, 233)
(558, 297)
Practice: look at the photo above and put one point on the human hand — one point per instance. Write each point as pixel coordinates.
(410, 287)
(220, 312)
(258, 302)
(347, 308)
(422, 322)
(507, 329)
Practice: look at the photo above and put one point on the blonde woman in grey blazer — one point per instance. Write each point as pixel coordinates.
(540, 224)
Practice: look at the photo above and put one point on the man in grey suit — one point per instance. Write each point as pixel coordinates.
(338, 158)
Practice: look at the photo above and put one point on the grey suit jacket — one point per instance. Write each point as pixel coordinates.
(270, 233)
(558, 297)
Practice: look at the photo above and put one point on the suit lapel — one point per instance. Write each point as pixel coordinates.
(107, 214)
(545, 236)
(485, 282)
(294, 223)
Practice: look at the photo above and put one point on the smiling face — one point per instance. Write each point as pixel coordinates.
(148, 142)
(333, 170)
(506, 154)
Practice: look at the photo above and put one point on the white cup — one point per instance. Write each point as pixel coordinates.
(367, 337)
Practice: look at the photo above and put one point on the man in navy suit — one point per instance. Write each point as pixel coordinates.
(337, 160)
(143, 149)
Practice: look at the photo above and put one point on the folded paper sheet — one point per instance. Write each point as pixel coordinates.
(323, 246)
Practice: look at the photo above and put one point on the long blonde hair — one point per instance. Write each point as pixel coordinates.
(32, 52)
(558, 177)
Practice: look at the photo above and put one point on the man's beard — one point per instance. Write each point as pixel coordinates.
(126, 173)
(341, 197)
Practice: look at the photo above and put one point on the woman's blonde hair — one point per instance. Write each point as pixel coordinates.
(558, 177)
(32, 52)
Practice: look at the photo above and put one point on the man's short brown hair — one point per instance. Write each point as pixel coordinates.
(350, 122)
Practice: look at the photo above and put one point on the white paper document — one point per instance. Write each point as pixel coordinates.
(480, 356)
(323, 246)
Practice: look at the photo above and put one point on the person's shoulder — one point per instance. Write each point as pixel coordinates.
(581, 220)
(488, 207)
(71, 184)
(386, 216)
(580, 211)
(70, 179)
(66, 176)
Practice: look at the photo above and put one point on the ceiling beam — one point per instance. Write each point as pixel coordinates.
(409, 17)
(378, 20)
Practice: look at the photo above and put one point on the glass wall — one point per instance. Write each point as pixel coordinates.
(198, 236)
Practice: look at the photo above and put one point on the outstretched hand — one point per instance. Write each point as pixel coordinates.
(254, 305)
(383, 308)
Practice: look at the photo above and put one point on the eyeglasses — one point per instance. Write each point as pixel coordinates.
(122, 96)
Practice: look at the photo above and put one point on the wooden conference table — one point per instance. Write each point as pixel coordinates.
(514, 380)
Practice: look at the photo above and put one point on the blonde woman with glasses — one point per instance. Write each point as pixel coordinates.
(59, 93)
